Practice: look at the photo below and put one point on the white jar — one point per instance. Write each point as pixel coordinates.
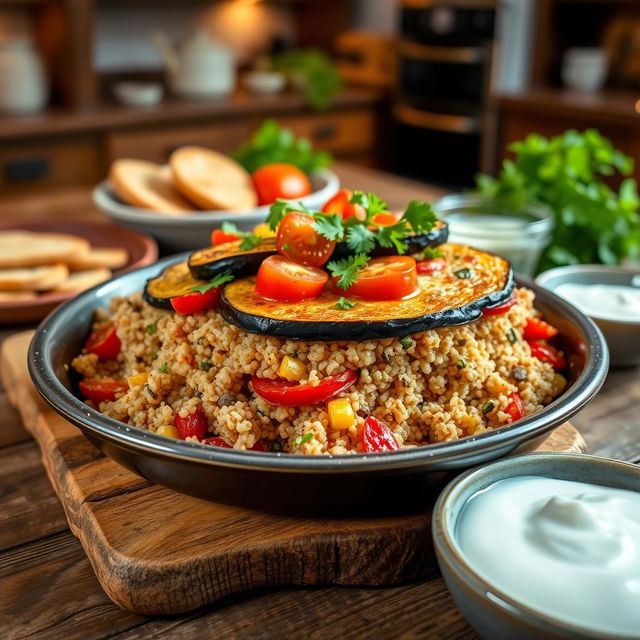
(23, 86)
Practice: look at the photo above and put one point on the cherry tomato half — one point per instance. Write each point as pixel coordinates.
(217, 442)
(537, 329)
(388, 278)
(287, 281)
(218, 236)
(376, 436)
(501, 309)
(430, 266)
(195, 424)
(280, 180)
(386, 218)
(298, 240)
(515, 407)
(102, 389)
(340, 204)
(547, 353)
(193, 302)
(284, 393)
(104, 343)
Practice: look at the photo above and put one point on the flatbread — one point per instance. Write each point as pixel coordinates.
(29, 249)
(212, 180)
(100, 257)
(81, 280)
(17, 296)
(147, 185)
(33, 278)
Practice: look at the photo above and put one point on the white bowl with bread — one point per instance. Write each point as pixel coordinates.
(179, 204)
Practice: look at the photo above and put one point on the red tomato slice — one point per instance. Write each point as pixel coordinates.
(430, 266)
(287, 281)
(195, 424)
(280, 180)
(218, 236)
(537, 329)
(193, 302)
(217, 442)
(104, 342)
(284, 393)
(298, 240)
(547, 353)
(340, 204)
(102, 389)
(388, 278)
(501, 309)
(376, 436)
(515, 407)
(386, 218)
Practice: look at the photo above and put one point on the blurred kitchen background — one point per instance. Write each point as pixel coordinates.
(430, 89)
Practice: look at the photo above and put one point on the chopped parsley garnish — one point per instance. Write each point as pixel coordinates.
(279, 210)
(205, 365)
(154, 356)
(151, 328)
(512, 336)
(276, 446)
(488, 406)
(329, 225)
(343, 303)
(407, 342)
(164, 367)
(151, 392)
(305, 438)
(249, 240)
(432, 252)
(214, 283)
(462, 363)
(346, 270)
(463, 274)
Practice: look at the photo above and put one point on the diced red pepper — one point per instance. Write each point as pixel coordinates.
(501, 309)
(193, 302)
(376, 436)
(102, 389)
(195, 424)
(218, 236)
(537, 329)
(547, 353)
(104, 342)
(284, 393)
(515, 407)
(430, 266)
(259, 446)
(217, 442)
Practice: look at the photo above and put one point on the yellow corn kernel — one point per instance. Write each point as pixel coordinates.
(168, 431)
(263, 231)
(138, 380)
(292, 369)
(341, 414)
(559, 382)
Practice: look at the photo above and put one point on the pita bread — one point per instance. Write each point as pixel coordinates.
(99, 257)
(33, 278)
(29, 249)
(17, 296)
(81, 280)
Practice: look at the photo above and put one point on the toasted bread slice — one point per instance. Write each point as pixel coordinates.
(33, 278)
(29, 249)
(81, 280)
(17, 296)
(100, 257)
(147, 185)
(211, 179)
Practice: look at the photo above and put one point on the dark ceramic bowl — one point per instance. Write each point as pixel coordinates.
(286, 482)
(493, 613)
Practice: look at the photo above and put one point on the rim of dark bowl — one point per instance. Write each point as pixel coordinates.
(82, 415)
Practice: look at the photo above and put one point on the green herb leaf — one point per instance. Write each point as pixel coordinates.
(279, 210)
(154, 356)
(344, 303)
(512, 335)
(276, 446)
(164, 367)
(370, 202)
(347, 270)
(329, 225)
(151, 328)
(420, 216)
(392, 236)
(463, 274)
(407, 342)
(361, 239)
(432, 252)
(151, 392)
(217, 281)
(205, 365)
(462, 363)
(305, 438)
(249, 240)
(488, 406)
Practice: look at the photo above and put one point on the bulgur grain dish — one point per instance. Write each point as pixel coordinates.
(203, 373)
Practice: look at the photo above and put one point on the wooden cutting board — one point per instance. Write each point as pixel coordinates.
(155, 551)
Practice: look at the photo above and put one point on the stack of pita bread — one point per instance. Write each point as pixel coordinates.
(35, 263)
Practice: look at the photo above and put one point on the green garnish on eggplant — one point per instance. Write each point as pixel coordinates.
(175, 280)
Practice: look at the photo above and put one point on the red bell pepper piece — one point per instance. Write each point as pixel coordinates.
(218, 236)
(195, 424)
(547, 353)
(500, 309)
(429, 266)
(217, 442)
(537, 329)
(376, 436)
(284, 393)
(515, 407)
(102, 389)
(193, 302)
(104, 342)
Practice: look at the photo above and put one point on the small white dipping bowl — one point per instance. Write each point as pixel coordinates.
(192, 230)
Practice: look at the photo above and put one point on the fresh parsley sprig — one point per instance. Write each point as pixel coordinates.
(346, 270)
(217, 281)
(249, 240)
(344, 303)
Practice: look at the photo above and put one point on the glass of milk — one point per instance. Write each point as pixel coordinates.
(519, 235)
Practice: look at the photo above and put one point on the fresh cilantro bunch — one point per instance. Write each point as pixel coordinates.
(273, 143)
(593, 222)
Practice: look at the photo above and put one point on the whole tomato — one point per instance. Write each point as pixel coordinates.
(280, 180)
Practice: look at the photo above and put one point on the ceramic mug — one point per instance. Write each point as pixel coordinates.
(585, 69)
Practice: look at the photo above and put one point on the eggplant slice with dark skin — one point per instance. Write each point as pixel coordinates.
(175, 280)
(472, 281)
(212, 261)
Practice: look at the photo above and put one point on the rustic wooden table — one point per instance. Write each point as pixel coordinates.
(47, 586)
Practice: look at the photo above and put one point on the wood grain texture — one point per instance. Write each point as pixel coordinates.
(157, 552)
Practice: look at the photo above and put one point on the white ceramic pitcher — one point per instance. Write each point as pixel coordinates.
(23, 86)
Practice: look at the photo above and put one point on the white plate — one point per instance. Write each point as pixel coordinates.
(192, 230)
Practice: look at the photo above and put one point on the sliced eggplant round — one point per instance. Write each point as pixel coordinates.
(472, 281)
(175, 280)
(212, 261)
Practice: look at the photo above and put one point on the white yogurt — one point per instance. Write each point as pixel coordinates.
(607, 301)
(568, 549)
